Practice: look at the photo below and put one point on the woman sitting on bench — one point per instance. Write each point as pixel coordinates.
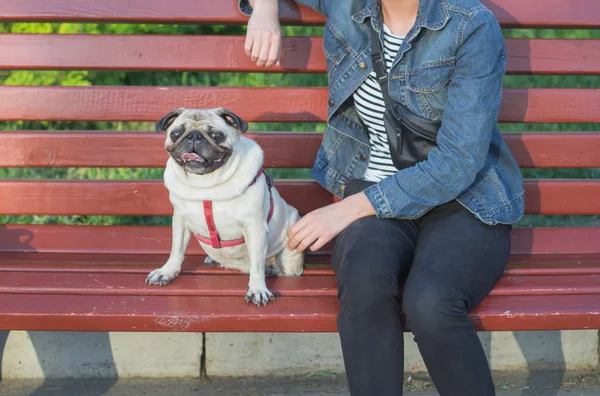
(430, 190)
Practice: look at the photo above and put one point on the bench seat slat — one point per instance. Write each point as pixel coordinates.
(534, 13)
(156, 240)
(317, 264)
(132, 103)
(150, 198)
(282, 149)
(232, 285)
(226, 53)
(287, 314)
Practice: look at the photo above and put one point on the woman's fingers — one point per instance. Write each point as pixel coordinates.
(265, 48)
(274, 52)
(248, 43)
(307, 241)
(319, 243)
(256, 47)
(309, 232)
(297, 233)
(300, 224)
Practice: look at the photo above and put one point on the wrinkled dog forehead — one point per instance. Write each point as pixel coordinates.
(220, 117)
(199, 117)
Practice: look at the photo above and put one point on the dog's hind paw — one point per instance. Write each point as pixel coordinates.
(160, 277)
(259, 295)
(210, 260)
(271, 270)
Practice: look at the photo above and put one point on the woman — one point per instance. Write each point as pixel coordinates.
(440, 228)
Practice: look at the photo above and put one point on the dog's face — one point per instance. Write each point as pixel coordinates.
(201, 140)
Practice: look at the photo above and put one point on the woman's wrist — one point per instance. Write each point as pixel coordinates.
(358, 206)
(270, 5)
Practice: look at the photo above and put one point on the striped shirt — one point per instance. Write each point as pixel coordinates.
(370, 106)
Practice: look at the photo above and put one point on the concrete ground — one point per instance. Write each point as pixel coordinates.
(318, 383)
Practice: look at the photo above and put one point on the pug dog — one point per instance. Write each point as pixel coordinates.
(222, 197)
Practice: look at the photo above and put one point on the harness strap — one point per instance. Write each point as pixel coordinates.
(214, 241)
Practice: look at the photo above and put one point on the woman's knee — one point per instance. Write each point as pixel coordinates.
(369, 257)
(431, 310)
(365, 285)
(367, 276)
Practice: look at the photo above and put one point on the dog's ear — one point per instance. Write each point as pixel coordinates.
(164, 123)
(233, 119)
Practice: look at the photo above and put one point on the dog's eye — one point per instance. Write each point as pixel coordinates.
(216, 136)
(176, 134)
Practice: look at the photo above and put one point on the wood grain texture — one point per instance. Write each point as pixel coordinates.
(226, 53)
(153, 11)
(316, 263)
(105, 241)
(132, 103)
(533, 13)
(282, 149)
(124, 197)
(137, 149)
(151, 52)
(286, 314)
(232, 285)
(150, 198)
(77, 296)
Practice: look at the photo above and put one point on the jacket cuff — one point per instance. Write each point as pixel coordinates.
(245, 7)
(376, 198)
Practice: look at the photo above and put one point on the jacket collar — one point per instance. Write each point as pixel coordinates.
(432, 14)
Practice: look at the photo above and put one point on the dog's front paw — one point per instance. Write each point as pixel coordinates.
(259, 295)
(161, 277)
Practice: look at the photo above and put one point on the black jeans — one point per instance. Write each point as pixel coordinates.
(449, 261)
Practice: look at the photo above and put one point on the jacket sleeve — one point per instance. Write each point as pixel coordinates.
(317, 5)
(470, 117)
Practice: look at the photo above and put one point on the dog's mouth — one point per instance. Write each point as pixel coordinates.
(197, 163)
(193, 157)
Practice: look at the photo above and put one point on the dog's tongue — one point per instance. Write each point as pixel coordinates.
(191, 157)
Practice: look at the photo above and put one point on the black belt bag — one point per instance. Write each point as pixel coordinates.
(410, 136)
(355, 186)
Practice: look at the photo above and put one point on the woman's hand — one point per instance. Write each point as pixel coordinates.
(322, 225)
(263, 39)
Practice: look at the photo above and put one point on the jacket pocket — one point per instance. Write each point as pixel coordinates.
(335, 47)
(432, 76)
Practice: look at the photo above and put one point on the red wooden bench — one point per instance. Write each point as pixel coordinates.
(68, 277)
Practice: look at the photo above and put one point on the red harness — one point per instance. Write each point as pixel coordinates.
(214, 241)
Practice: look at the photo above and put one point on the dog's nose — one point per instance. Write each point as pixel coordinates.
(194, 135)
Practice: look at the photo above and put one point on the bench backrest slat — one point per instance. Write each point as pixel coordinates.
(226, 53)
(150, 198)
(282, 149)
(75, 243)
(522, 13)
(536, 105)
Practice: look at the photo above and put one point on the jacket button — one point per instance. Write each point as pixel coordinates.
(330, 101)
(362, 157)
(362, 65)
(342, 189)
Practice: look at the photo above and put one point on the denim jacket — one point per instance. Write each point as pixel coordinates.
(449, 69)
